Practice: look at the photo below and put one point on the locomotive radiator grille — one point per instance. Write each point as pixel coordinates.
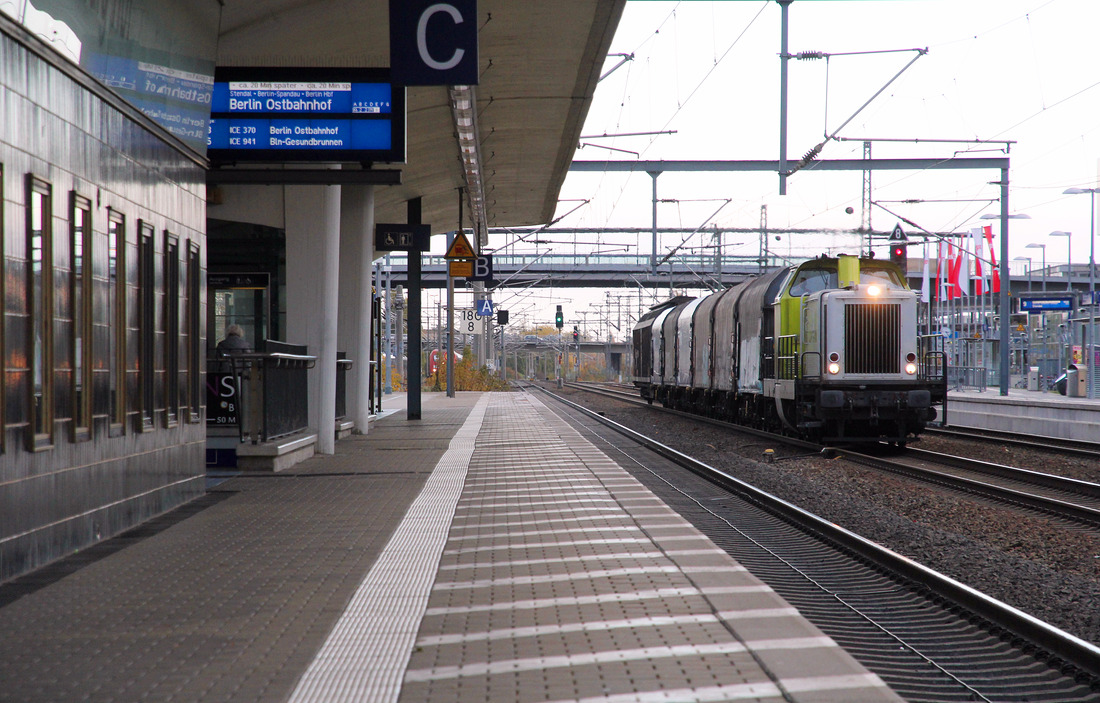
(872, 334)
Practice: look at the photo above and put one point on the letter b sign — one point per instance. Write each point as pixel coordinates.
(483, 268)
(433, 42)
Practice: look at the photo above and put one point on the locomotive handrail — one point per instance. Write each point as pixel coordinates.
(926, 371)
(787, 356)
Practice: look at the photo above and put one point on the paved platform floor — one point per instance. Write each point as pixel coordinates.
(484, 553)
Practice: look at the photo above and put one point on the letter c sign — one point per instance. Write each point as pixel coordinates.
(433, 42)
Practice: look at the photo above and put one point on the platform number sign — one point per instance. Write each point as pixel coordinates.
(469, 321)
(434, 42)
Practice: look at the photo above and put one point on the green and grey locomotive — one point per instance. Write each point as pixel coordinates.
(829, 350)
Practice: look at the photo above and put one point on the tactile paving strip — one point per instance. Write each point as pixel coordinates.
(365, 655)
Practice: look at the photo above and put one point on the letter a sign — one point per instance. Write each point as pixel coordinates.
(433, 42)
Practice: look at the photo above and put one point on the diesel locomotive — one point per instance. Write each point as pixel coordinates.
(827, 350)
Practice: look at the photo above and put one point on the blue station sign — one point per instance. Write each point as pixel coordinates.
(266, 114)
(1064, 302)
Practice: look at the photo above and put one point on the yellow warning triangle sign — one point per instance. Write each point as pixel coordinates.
(460, 248)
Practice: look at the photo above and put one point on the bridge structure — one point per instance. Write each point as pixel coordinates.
(707, 264)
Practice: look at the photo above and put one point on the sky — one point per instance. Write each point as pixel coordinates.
(995, 71)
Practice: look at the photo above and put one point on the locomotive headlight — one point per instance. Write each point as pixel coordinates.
(911, 368)
(874, 291)
(834, 367)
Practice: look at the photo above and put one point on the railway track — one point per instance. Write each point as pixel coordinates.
(1089, 450)
(1060, 497)
(930, 637)
(1066, 499)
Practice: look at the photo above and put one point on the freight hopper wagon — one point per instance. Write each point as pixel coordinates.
(828, 350)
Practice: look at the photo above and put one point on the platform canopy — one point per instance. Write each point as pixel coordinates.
(539, 65)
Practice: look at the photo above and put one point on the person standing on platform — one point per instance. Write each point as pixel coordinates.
(234, 342)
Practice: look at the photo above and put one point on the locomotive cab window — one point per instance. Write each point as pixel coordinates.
(813, 280)
(881, 277)
(808, 281)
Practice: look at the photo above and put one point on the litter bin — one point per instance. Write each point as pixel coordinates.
(1077, 381)
(1033, 378)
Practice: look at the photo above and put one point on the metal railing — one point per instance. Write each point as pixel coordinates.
(931, 357)
(265, 394)
(975, 377)
(274, 394)
(343, 365)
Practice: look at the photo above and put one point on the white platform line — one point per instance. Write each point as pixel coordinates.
(602, 519)
(762, 691)
(519, 494)
(477, 487)
(485, 504)
(366, 653)
(516, 666)
(602, 598)
(759, 613)
(594, 530)
(513, 563)
(521, 469)
(548, 545)
(561, 510)
(554, 578)
(567, 628)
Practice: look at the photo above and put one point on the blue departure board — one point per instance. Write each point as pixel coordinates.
(306, 114)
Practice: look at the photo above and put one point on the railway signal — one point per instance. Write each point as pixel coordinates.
(558, 319)
(899, 248)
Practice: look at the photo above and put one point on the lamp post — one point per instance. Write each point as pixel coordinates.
(1002, 299)
(1044, 248)
(1069, 256)
(1092, 284)
(1028, 260)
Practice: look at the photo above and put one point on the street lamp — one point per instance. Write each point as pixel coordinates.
(1092, 283)
(1028, 260)
(1069, 256)
(1033, 245)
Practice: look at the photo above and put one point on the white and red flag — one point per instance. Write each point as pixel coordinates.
(977, 246)
(996, 287)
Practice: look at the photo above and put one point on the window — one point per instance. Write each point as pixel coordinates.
(147, 288)
(40, 307)
(80, 287)
(116, 318)
(194, 330)
(172, 326)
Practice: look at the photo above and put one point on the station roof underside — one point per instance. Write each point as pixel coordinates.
(539, 66)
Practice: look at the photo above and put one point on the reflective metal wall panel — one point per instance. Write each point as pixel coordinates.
(85, 479)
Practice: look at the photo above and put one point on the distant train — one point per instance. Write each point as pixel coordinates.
(828, 350)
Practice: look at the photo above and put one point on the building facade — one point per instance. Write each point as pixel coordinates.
(102, 341)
